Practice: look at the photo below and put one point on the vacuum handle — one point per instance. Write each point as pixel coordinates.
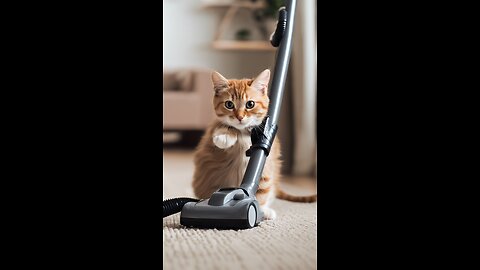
(263, 136)
(282, 62)
(281, 26)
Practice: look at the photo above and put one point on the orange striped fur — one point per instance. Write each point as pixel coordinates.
(220, 159)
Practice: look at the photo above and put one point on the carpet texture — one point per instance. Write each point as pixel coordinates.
(289, 242)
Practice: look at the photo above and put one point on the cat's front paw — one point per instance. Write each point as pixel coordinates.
(269, 213)
(224, 141)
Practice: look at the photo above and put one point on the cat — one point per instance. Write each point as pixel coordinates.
(220, 159)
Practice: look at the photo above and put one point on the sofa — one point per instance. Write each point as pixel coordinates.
(187, 100)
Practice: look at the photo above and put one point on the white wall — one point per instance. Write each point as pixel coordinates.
(188, 31)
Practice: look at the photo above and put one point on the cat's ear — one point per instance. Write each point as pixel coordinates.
(260, 83)
(219, 82)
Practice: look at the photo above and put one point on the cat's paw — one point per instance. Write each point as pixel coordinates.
(269, 213)
(224, 141)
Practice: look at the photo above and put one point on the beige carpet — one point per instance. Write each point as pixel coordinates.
(289, 242)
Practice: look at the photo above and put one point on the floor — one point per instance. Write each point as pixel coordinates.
(289, 242)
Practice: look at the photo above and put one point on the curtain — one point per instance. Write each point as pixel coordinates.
(304, 89)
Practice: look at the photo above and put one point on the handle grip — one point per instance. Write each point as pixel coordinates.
(277, 36)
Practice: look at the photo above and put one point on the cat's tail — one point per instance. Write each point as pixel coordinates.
(285, 196)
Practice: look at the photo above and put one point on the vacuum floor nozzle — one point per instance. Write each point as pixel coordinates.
(235, 212)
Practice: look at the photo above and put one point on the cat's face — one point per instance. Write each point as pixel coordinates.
(241, 104)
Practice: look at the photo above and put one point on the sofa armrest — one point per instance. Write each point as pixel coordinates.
(202, 80)
(202, 84)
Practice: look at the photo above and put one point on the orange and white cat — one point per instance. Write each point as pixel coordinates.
(220, 159)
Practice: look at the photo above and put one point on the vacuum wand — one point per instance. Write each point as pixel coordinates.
(263, 136)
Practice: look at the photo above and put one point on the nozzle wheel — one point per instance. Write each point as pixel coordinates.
(252, 216)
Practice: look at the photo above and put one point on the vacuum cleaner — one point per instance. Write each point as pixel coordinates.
(237, 207)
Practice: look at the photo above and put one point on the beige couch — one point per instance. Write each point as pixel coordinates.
(187, 99)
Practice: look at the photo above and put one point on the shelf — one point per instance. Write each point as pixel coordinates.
(239, 4)
(243, 45)
(232, 9)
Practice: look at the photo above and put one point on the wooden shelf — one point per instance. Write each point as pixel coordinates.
(239, 4)
(232, 8)
(243, 45)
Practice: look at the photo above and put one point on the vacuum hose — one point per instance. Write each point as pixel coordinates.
(173, 206)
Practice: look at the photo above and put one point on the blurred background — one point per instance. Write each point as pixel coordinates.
(231, 37)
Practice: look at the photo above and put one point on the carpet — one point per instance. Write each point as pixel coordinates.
(289, 242)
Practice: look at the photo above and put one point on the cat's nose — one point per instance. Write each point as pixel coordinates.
(239, 118)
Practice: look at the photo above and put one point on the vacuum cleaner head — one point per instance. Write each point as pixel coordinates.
(228, 208)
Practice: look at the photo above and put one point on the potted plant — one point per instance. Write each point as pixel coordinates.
(243, 34)
(266, 17)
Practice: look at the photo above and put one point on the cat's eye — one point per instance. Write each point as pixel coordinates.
(229, 105)
(250, 104)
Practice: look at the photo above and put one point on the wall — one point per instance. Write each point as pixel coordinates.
(188, 31)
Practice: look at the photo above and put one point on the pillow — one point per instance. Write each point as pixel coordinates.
(184, 79)
(170, 81)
